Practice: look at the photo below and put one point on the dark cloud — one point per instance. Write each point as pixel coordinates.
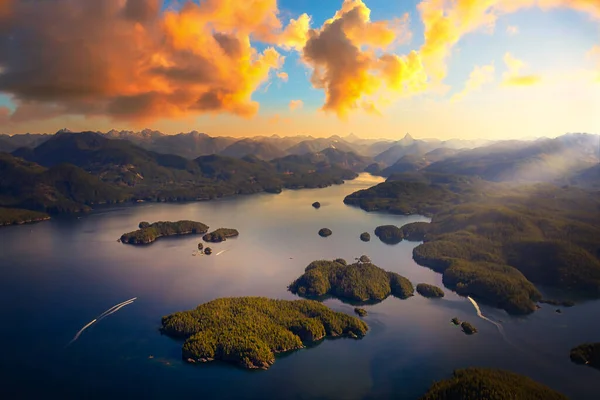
(127, 59)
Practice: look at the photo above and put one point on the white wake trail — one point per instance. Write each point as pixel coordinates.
(81, 331)
(100, 317)
(116, 309)
(221, 252)
(113, 307)
(480, 315)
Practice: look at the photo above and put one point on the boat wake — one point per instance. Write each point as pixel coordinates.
(496, 324)
(100, 317)
(81, 331)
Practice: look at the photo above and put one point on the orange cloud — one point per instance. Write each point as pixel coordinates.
(512, 77)
(283, 76)
(478, 78)
(342, 54)
(295, 34)
(128, 60)
(296, 105)
(446, 22)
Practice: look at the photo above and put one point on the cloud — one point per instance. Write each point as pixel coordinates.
(127, 60)
(343, 57)
(295, 34)
(512, 76)
(512, 30)
(478, 78)
(296, 105)
(283, 76)
(446, 22)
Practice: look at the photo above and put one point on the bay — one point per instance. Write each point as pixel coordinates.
(58, 276)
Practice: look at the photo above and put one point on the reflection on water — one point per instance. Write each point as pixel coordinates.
(57, 276)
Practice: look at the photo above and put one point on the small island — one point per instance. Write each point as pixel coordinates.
(430, 291)
(468, 328)
(148, 233)
(489, 384)
(365, 237)
(360, 282)
(200, 246)
(220, 235)
(361, 312)
(455, 321)
(249, 331)
(316, 204)
(325, 232)
(587, 354)
(389, 234)
(208, 251)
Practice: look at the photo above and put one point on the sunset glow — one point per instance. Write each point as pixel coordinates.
(436, 68)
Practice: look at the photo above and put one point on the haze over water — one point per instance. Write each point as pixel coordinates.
(58, 276)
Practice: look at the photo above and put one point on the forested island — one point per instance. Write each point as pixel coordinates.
(427, 290)
(587, 353)
(220, 235)
(360, 282)
(365, 237)
(495, 240)
(468, 328)
(490, 384)
(249, 331)
(17, 216)
(389, 234)
(148, 233)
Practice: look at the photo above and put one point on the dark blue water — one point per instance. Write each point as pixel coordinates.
(57, 276)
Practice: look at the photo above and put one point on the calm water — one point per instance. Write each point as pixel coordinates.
(56, 277)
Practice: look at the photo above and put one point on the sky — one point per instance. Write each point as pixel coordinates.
(469, 69)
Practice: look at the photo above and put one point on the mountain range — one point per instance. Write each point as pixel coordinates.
(70, 171)
(194, 144)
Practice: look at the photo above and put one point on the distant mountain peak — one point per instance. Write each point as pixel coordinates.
(351, 137)
(64, 130)
(407, 140)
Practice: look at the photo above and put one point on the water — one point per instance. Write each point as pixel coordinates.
(58, 276)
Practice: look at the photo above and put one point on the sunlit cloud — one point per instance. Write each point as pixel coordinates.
(342, 55)
(446, 22)
(133, 62)
(283, 76)
(512, 76)
(479, 77)
(129, 61)
(295, 34)
(296, 105)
